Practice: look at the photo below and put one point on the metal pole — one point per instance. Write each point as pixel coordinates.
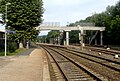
(6, 31)
(101, 38)
(81, 42)
(67, 38)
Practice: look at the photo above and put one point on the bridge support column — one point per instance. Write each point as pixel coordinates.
(81, 38)
(101, 38)
(64, 42)
(67, 37)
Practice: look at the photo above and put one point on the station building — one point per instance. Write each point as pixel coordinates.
(2, 37)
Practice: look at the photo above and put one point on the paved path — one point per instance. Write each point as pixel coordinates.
(30, 67)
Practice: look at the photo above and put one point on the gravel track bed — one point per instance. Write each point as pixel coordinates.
(98, 54)
(100, 60)
(107, 51)
(68, 67)
(107, 72)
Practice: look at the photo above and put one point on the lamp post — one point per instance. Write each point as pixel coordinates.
(6, 28)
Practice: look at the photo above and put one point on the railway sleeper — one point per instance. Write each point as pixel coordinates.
(72, 76)
(82, 79)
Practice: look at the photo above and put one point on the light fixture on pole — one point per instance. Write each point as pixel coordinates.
(6, 29)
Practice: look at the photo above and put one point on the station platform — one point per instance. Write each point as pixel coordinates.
(29, 66)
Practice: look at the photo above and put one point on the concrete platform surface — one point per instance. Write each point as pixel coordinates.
(33, 67)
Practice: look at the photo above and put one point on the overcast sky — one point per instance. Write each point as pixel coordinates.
(64, 11)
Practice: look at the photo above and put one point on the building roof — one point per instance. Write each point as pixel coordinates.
(2, 30)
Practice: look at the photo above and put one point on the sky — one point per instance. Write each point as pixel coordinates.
(70, 11)
(64, 11)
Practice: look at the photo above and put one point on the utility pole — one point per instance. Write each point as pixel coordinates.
(6, 29)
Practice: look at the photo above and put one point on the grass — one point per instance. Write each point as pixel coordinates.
(18, 51)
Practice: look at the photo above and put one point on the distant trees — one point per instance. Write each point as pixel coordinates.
(23, 16)
(53, 36)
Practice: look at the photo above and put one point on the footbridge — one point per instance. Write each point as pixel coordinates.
(68, 29)
(65, 28)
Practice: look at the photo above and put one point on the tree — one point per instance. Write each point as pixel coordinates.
(115, 30)
(52, 35)
(23, 16)
(1, 21)
(116, 10)
(113, 26)
(74, 37)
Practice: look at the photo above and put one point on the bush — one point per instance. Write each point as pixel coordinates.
(12, 46)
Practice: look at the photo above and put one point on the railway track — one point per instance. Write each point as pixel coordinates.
(111, 67)
(102, 50)
(96, 58)
(103, 64)
(69, 69)
(105, 51)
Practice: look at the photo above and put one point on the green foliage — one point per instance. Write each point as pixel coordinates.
(23, 16)
(52, 34)
(72, 24)
(43, 39)
(17, 51)
(12, 46)
(74, 37)
(116, 10)
(2, 53)
(115, 30)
